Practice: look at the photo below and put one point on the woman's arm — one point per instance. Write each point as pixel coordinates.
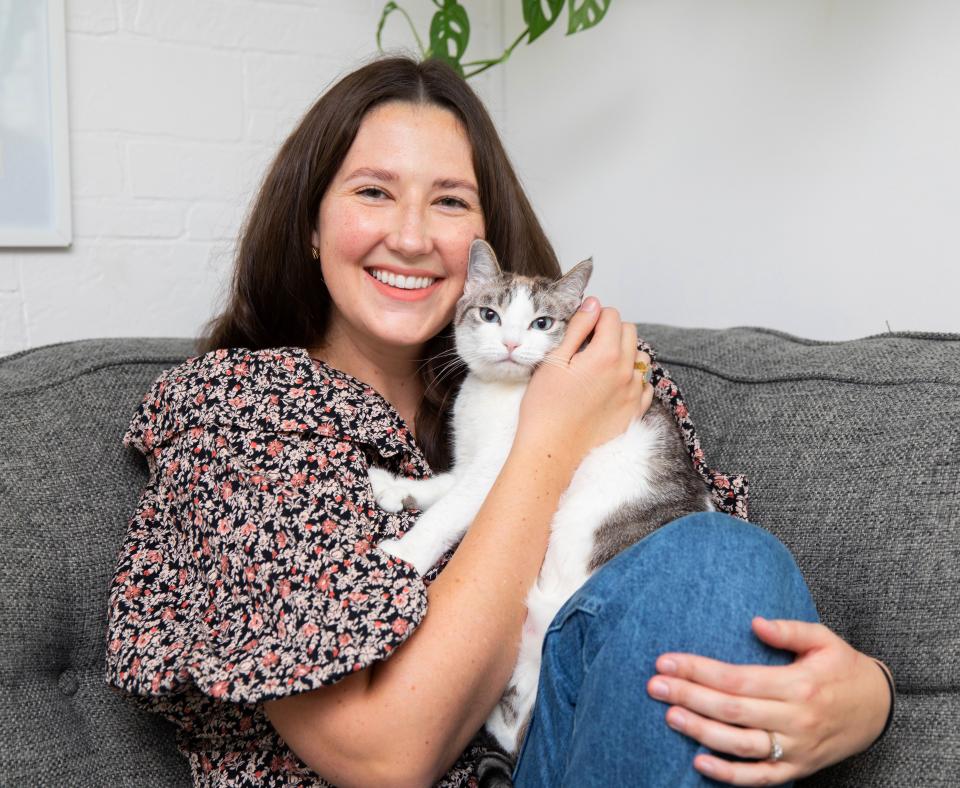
(829, 704)
(404, 721)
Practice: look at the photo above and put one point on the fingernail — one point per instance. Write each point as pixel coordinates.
(589, 304)
(706, 766)
(676, 720)
(667, 666)
(659, 689)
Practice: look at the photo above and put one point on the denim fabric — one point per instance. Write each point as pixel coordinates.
(693, 586)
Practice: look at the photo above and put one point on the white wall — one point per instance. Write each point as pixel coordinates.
(791, 164)
(176, 107)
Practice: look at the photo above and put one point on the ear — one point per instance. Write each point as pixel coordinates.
(482, 265)
(573, 283)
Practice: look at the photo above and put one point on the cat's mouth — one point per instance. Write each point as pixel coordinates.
(512, 365)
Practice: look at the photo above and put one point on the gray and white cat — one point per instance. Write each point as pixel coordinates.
(505, 325)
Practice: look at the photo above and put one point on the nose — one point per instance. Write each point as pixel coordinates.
(411, 235)
(510, 346)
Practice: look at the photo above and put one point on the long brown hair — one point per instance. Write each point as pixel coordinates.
(277, 295)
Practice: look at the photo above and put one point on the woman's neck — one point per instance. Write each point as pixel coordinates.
(392, 372)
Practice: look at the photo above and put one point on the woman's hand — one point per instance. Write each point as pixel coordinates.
(579, 399)
(830, 703)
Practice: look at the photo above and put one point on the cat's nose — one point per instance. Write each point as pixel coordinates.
(510, 346)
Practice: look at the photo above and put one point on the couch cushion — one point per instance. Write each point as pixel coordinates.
(853, 454)
(851, 449)
(67, 489)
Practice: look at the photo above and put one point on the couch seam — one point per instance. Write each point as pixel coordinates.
(86, 371)
(667, 361)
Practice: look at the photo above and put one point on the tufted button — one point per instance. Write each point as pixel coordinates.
(68, 682)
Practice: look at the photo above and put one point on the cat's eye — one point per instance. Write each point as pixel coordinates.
(487, 315)
(542, 323)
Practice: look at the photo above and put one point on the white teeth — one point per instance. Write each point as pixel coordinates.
(402, 282)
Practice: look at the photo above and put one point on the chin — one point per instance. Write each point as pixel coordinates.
(413, 337)
(503, 372)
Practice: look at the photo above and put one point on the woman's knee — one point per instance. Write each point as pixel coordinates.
(707, 555)
(717, 535)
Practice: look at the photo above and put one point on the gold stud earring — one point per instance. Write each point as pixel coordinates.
(315, 252)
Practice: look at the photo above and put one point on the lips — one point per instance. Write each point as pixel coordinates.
(404, 292)
(400, 281)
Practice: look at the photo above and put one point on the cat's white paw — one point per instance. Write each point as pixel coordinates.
(380, 479)
(396, 499)
(407, 552)
(389, 491)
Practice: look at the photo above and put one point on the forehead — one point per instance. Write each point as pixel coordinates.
(407, 138)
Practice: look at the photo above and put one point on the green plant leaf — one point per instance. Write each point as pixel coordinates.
(538, 21)
(388, 9)
(450, 33)
(584, 14)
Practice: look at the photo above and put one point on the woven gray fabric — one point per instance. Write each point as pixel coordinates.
(67, 488)
(851, 449)
(853, 454)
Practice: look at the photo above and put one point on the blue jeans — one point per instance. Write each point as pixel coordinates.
(692, 586)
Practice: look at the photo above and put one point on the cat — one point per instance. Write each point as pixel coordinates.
(505, 325)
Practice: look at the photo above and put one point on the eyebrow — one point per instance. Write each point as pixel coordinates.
(386, 175)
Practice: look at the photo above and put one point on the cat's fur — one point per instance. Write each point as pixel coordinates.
(621, 492)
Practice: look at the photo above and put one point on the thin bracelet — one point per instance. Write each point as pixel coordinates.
(893, 696)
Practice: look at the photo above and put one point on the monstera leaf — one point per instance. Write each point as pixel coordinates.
(450, 33)
(450, 28)
(584, 14)
(537, 21)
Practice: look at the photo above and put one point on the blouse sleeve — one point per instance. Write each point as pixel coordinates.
(249, 568)
(730, 492)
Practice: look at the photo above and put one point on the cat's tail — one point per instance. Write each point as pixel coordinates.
(495, 767)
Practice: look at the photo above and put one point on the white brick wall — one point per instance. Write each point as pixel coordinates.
(176, 108)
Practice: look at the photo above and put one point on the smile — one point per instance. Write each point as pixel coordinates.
(400, 281)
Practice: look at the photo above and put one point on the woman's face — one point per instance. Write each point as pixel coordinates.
(395, 227)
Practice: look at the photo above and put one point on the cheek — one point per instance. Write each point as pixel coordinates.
(456, 250)
(345, 236)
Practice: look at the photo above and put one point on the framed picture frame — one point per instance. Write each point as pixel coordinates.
(34, 132)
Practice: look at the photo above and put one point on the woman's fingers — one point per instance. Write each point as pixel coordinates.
(583, 321)
(753, 681)
(746, 773)
(628, 342)
(733, 709)
(740, 742)
(604, 344)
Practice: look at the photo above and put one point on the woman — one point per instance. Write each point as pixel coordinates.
(250, 604)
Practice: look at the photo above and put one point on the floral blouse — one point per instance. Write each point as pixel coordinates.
(250, 571)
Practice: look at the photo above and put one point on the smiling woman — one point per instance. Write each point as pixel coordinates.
(394, 170)
(393, 233)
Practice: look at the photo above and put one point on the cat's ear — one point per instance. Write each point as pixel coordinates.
(482, 265)
(573, 284)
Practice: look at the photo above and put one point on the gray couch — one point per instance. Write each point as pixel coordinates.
(852, 449)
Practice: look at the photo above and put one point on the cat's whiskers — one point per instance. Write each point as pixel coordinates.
(448, 353)
(447, 369)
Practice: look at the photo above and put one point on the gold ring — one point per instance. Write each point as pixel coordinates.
(644, 369)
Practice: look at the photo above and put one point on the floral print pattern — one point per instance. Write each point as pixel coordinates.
(250, 571)
(730, 493)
